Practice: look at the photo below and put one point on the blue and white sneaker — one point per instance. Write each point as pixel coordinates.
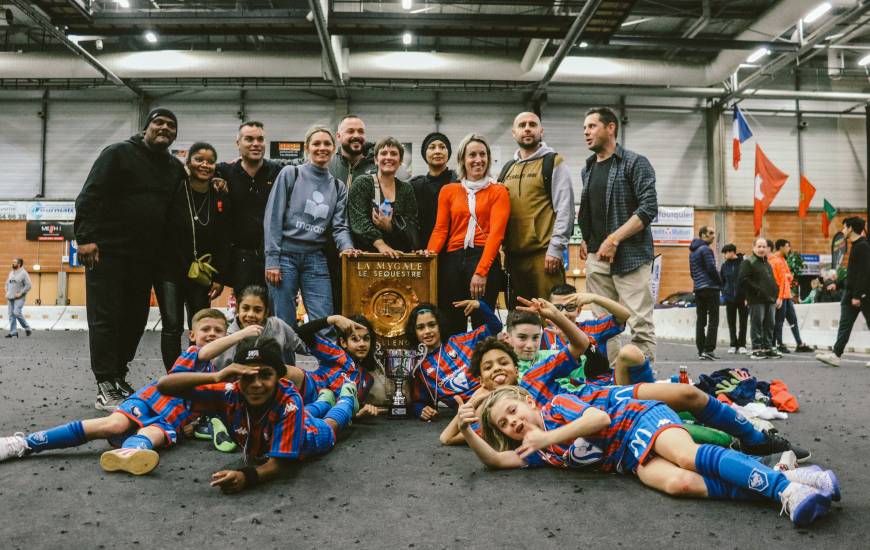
(804, 504)
(816, 476)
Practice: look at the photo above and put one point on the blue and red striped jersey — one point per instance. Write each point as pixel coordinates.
(175, 410)
(542, 380)
(336, 368)
(599, 331)
(278, 432)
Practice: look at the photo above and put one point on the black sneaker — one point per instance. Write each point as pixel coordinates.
(124, 387)
(782, 349)
(773, 354)
(803, 348)
(108, 396)
(707, 357)
(775, 444)
(758, 354)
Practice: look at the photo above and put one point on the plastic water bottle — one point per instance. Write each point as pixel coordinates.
(684, 374)
(386, 208)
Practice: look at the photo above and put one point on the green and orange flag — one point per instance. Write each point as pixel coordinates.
(827, 217)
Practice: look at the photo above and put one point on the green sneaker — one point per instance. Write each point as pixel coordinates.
(203, 430)
(326, 395)
(348, 389)
(222, 440)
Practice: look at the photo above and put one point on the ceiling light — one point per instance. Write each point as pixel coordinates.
(406, 38)
(151, 37)
(406, 4)
(584, 44)
(864, 61)
(757, 54)
(817, 12)
(123, 3)
(637, 21)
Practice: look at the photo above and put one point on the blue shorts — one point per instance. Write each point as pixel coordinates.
(641, 373)
(141, 414)
(318, 441)
(637, 446)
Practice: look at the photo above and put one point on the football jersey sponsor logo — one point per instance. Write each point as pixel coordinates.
(583, 452)
(136, 412)
(289, 408)
(663, 422)
(456, 383)
(451, 353)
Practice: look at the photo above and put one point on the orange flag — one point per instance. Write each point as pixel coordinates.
(768, 181)
(807, 193)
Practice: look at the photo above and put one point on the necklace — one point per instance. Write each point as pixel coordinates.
(205, 201)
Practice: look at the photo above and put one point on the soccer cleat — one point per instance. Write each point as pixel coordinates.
(829, 358)
(124, 387)
(14, 445)
(758, 354)
(108, 396)
(326, 395)
(804, 348)
(775, 443)
(133, 461)
(804, 504)
(203, 430)
(732, 350)
(742, 350)
(222, 440)
(348, 389)
(816, 476)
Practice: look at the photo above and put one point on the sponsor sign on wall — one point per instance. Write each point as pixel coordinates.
(673, 226)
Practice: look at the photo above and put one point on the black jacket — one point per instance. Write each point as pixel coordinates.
(756, 280)
(123, 204)
(245, 202)
(426, 190)
(731, 291)
(858, 270)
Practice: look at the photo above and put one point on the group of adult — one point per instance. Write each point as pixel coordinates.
(143, 218)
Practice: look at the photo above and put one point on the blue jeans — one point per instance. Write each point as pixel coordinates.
(15, 305)
(307, 270)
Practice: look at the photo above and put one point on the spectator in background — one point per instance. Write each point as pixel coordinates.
(831, 289)
(249, 182)
(383, 209)
(196, 227)
(17, 287)
(542, 212)
(472, 216)
(617, 205)
(307, 207)
(815, 289)
(705, 278)
(785, 302)
(436, 152)
(756, 280)
(856, 297)
(736, 310)
(121, 213)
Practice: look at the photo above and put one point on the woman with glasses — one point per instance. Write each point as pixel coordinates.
(469, 229)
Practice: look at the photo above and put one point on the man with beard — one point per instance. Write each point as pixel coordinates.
(542, 211)
(120, 216)
(436, 152)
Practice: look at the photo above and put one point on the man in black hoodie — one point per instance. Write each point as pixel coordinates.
(120, 217)
(856, 297)
(756, 280)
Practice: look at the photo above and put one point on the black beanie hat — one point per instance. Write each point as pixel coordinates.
(435, 136)
(255, 350)
(160, 112)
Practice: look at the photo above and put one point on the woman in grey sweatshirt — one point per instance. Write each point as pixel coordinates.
(17, 287)
(305, 207)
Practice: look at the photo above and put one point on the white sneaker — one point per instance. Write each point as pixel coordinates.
(732, 350)
(787, 461)
(742, 350)
(867, 364)
(14, 445)
(829, 358)
(815, 476)
(804, 504)
(134, 461)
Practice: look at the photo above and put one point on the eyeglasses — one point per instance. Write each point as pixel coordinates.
(565, 307)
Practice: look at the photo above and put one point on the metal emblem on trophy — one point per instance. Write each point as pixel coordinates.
(399, 366)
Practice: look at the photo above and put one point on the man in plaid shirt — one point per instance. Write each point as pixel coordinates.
(617, 205)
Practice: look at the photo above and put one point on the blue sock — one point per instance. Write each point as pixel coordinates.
(718, 489)
(317, 409)
(641, 373)
(739, 470)
(722, 417)
(61, 437)
(137, 441)
(342, 412)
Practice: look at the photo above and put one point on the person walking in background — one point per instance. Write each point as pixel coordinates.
(705, 277)
(436, 152)
(17, 287)
(618, 203)
(856, 297)
(756, 280)
(736, 310)
(785, 302)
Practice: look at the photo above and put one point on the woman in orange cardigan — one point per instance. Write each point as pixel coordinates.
(470, 268)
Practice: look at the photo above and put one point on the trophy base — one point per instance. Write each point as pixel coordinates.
(398, 411)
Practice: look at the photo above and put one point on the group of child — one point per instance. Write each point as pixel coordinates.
(544, 392)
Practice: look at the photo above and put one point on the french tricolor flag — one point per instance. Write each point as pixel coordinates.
(740, 133)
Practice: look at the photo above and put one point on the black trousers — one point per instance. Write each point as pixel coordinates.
(247, 267)
(455, 270)
(848, 316)
(761, 321)
(118, 298)
(707, 322)
(176, 297)
(735, 311)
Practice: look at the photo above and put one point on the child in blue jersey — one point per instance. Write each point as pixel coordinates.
(264, 412)
(145, 421)
(444, 372)
(645, 438)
